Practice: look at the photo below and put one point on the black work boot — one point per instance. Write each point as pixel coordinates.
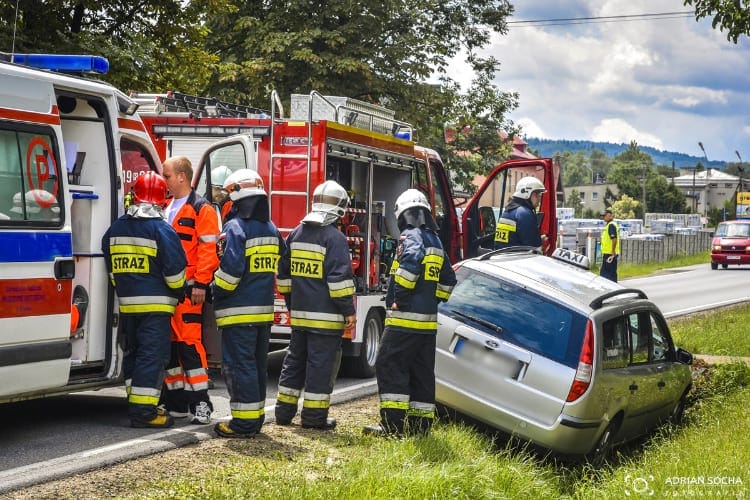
(329, 425)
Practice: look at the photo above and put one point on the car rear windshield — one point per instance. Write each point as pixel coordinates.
(729, 230)
(517, 315)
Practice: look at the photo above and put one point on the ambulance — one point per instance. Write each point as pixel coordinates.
(70, 149)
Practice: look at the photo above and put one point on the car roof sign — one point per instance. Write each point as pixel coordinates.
(571, 257)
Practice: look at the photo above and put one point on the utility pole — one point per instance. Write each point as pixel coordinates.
(708, 171)
(740, 168)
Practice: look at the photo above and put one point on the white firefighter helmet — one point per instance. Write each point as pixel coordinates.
(36, 200)
(528, 185)
(219, 175)
(329, 204)
(409, 199)
(244, 183)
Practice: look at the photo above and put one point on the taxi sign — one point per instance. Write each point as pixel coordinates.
(572, 257)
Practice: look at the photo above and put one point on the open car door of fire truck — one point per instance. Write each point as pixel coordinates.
(482, 211)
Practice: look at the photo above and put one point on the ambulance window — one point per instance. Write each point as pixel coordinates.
(29, 179)
(135, 160)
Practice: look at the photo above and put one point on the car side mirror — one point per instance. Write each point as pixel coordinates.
(684, 357)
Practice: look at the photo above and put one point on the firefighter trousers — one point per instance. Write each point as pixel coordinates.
(186, 381)
(244, 351)
(311, 363)
(146, 348)
(405, 372)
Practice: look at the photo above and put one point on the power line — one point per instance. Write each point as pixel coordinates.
(601, 19)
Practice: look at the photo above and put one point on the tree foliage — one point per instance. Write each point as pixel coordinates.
(152, 45)
(727, 15)
(626, 207)
(381, 52)
(633, 172)
(384, 52)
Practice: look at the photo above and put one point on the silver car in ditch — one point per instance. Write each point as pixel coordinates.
(544, 350)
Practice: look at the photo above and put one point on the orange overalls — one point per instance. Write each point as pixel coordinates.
(197, 225)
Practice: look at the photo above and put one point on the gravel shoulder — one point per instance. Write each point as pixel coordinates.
(123, 479)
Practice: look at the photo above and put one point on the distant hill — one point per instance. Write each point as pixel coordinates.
(548, 148)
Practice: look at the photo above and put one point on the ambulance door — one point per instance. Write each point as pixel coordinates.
(36, 259)
(482, 211)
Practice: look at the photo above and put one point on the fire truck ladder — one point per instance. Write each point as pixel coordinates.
(275, 101)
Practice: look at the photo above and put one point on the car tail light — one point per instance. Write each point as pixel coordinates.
(585, 369)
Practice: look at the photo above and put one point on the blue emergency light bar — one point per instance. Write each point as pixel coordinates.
(63, 63)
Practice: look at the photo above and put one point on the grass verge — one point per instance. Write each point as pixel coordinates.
(629, 270)
(706, 456)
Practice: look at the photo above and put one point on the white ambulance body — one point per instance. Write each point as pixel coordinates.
(69, 149)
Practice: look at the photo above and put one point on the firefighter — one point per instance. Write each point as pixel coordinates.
(421, 276)
(243, 301)
(518, 224)
(315, 277)
(197, 225)
(146, 263)
(219, 195)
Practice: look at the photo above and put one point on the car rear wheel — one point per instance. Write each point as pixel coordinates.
(724, 266)
(714, 265)
(600, 453)
(363, 365)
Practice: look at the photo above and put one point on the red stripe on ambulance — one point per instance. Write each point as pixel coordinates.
(34, 297)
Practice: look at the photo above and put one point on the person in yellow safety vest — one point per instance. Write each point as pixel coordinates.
(610, 246)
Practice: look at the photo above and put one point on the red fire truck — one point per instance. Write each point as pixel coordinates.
(366, 150)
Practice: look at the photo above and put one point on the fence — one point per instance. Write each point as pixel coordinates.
(648, 248)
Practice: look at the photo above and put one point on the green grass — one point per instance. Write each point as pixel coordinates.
(722, 333)
(455, 461)
(628, 270)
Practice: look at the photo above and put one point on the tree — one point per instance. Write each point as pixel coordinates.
(575, 203)
(626, 207)
(729, 15)
(575, 168)
(600, 163)
(152, 45)
(380, 52)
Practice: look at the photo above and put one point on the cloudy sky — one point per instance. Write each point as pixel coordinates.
(667, 83)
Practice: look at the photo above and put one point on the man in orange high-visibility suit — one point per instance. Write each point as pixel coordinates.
(197, 225)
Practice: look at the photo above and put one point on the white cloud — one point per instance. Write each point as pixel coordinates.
(531, 129)
(665, 83)
(619, 131)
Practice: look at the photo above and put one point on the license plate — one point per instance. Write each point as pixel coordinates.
(733, 257)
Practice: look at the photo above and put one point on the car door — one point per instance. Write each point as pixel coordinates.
(483, 209)
(644, 377)
(496, 351)
(670, 382)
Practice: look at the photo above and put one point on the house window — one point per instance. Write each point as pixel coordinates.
(583, 196)
(594, 196)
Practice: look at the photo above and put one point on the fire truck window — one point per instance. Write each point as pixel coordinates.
(135, 161)
(420, 179)
(29, 192)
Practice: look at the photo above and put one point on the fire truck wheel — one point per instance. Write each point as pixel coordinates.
(363, 365)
